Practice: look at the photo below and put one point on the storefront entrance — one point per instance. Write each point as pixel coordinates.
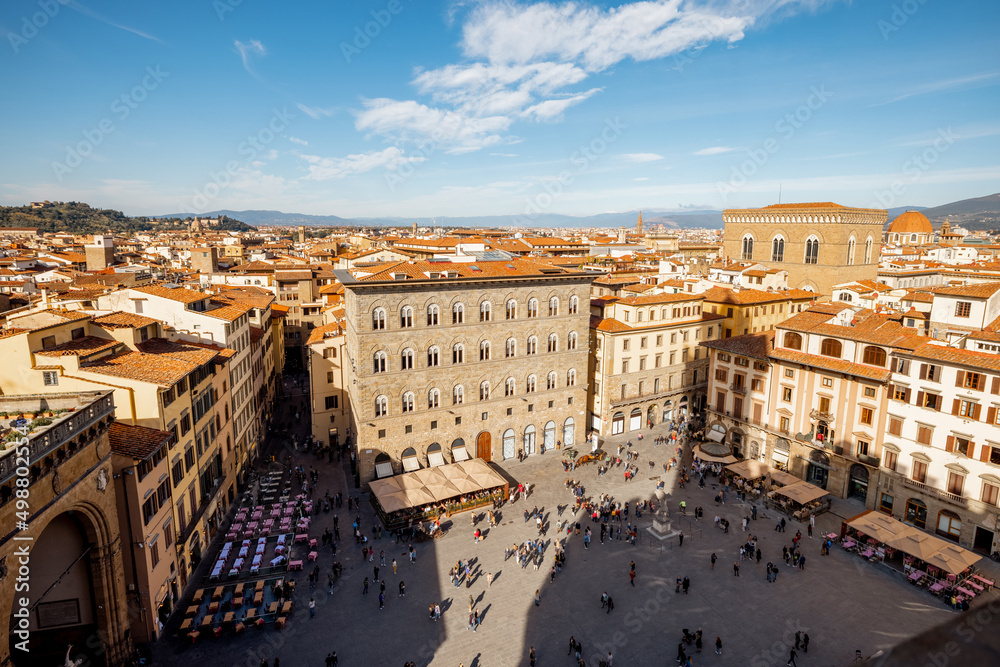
(819, 469)
(635, 420)
(618, 423)
(858, 487)
(484, 447)
(983, 541)
(508, 444)
(916, 513)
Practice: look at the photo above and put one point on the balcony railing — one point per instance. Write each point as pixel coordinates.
(740, 389)
(952, 498)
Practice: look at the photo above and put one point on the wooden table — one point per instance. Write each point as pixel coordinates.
(272, 608)
(287, 607)
(218, 592)
(186, 625)
(192, 610)
(213, 607)
(228, 618)
(208, 621)
(199, 595)
(251, 615)
(985, 582)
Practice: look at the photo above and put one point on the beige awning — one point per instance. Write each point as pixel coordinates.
(880, 526)
(435, 459)
(953, 559)
(801, 492)
(717, 436)
(749, 469)
(431, 485)
(459, 454)
(410, 463)
(705, 456)
(383, 469)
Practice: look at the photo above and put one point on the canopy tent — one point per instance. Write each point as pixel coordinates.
(801, 492)
(782, 477)
(701, 453)
(953, 559)
(431, 485)
(717, 436)
(932, 550)
(749, 469)
(879, 526)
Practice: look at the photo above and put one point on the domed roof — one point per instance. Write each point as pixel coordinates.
(911, 222)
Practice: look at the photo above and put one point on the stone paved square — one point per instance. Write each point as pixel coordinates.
(844, 603)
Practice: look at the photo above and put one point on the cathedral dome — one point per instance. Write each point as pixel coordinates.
(911, 222)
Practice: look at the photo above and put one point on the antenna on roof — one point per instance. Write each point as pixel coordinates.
(779, 192)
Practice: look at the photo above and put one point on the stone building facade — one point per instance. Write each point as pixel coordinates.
(450, 359)
(819, 244)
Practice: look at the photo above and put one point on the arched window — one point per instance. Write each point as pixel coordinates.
(432, 315)
(433, 398)
(846, 296)
(485, 311)
(508, 443)
(433, 356)
(406, 360)
(511, 348)
(509, 387)
(549, 436)
(850, 250)
(406, 317)
(574, 305)
(529, 439)
(530, 387)
(458, 395)
(830, 347)
(484, 391)
(408, 402)
(868, 250)
(381, 362)
(550, 380)
(484, 351)
(457, 314)
(457, 354)
(569, 429)
(381, 406)
(874, 356)
(747, 252)
(793, 341)
(532, 345)
(812, 250)
(532, 307)
(553, 343)
(378, 318)
(778, 249)
(571, 341)
(553, 307)
(511, 309)
(571, 377)
(949, 525)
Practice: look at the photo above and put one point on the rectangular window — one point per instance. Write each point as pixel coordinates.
(757, 384)
(991, 493)
(658, 361)
(50, 378)
(827, 382)
(867, 416)
(919, 473)
(329, 377)
(824, 404)
(885, 503)
(624, 365)
(869, 392)
(963, 309)
(625, 344)
(721, 374)
(863, 447)
(956, 483)
(785, 425)
(331, 402)
(890, 460)
(659, 339)
(895, 426)
(786, 394)
(924, 434)
(789, 373)
(642, 342)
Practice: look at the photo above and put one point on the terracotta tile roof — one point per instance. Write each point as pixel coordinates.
(153, 368)
(13, 331)
(68, 315)
(610, 324)
(952, 355)
(137, 442)
(123, 320)
(196, 354)
(513, 268)
(82, 347)
(227, 309)
(650, 299)
(830, 364)
(256, 333)
(173, 293)
(757, 346)
(220, 352)
(978, 291)
(754, 296)
(919, 297)
(318, 334)
(991, 336)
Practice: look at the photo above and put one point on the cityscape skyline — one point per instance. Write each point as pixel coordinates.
(384, 108)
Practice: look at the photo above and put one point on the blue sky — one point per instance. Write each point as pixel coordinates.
(401, 107)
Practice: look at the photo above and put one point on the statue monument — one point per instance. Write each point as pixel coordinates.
(662, 528)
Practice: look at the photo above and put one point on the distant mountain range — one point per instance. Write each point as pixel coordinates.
(684, 219)
(977, 213)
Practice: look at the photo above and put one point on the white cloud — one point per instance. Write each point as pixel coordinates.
(640, 179)
(248, 50)
(300, 142)
(314, 112)
(331, 168)
(642, 157)
(415, 122)
(715, 150)
(504, 154)
(960, 83)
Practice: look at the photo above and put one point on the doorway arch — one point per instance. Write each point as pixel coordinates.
(484, 447)
(858, 486)
(635, 420)
(819, 468)
(618, 423)
(508, 444)
(549, 436)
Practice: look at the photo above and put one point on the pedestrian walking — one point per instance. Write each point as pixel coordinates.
(681, 538)
(437, 612)
(472, 603)
(538, 597)
(611, 604)
(714, 558)
(489, 579)
(402, 589)
(791, 658)
(604, 600)
(531, 657)
(686, 585)
(718, 646)
(572, 645)
(413, 554)
(375, 578)
(365, 591)
(631, 577)
(798, 638)
(312, 607)
(381, 601)
(805, 643)
(394, 566)
(736, 568)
